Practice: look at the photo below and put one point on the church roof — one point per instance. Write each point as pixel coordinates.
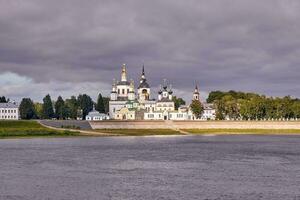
(122, 99)
(144, 84)
(95, 113)
(165, 100)
(123, 83)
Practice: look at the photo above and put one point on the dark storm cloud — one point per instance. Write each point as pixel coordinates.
(242, 44)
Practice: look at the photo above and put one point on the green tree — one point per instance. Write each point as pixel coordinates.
(72, 107)
(220, 109)
(196, 108)
(106, 104)
(178, 102)
(60, 109)
(27, 110)
(100, 104)
(296, 109)
(48, 112)
(38, 107)
(231, 107)
(215, 95)
(86, 104)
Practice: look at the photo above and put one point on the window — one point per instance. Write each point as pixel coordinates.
(123, 91)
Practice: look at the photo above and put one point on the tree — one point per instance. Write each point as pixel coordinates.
(215, 95)
(220, 109)
(178, 102)
(296, 109)
(60, 109)
(86, 104)
(72, 107)
(196, 108)
(100, 104)
(38, 107)
(106, 104)
(27, 110)
(48, 112)
(231, 107)
(3, 99)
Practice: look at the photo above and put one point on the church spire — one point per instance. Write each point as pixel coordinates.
(143, 72)
(124, 73)
(196, 95)
(143, 77)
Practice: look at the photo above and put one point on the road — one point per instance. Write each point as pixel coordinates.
(173, 167)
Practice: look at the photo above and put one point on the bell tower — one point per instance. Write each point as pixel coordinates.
(196, 94)
(143, 88)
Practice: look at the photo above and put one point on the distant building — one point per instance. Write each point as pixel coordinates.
(94, 115)
(124, 104)
(9, 111)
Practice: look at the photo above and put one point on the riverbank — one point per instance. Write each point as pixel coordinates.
(23, 129)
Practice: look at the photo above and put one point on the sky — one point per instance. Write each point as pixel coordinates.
(68, 47)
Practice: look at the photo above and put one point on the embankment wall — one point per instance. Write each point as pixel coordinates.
(195, 124)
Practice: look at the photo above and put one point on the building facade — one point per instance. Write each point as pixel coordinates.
(126, 104)
(94, 115)
(9, 111)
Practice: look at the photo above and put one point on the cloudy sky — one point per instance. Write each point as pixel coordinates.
(66, 47)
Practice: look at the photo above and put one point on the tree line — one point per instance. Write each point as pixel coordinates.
(71, 108)
(251, 106)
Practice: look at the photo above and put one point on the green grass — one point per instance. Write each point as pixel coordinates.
(243, 131)
(139, 132)
(28, 129)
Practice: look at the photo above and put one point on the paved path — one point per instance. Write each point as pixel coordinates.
(150, 168)
(84, 125)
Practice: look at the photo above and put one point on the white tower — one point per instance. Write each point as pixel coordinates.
(124, 73)
(113, 93)
(131, 94)
(123, 85)
(196, 94)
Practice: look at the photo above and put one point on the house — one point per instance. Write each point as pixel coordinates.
(9, 111)
(94, 115)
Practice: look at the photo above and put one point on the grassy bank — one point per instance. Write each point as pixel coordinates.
(139, 132)
(28, 129)
(242, 131)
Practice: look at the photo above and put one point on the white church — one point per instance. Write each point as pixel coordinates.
(126, 104)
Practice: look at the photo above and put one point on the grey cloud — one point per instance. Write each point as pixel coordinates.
(232, 44)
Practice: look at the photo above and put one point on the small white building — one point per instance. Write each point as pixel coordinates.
(94, 115)
(9, 111)
(209, 112)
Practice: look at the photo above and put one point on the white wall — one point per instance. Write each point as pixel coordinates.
(9, 113)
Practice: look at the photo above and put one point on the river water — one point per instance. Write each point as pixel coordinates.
(172, 167)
